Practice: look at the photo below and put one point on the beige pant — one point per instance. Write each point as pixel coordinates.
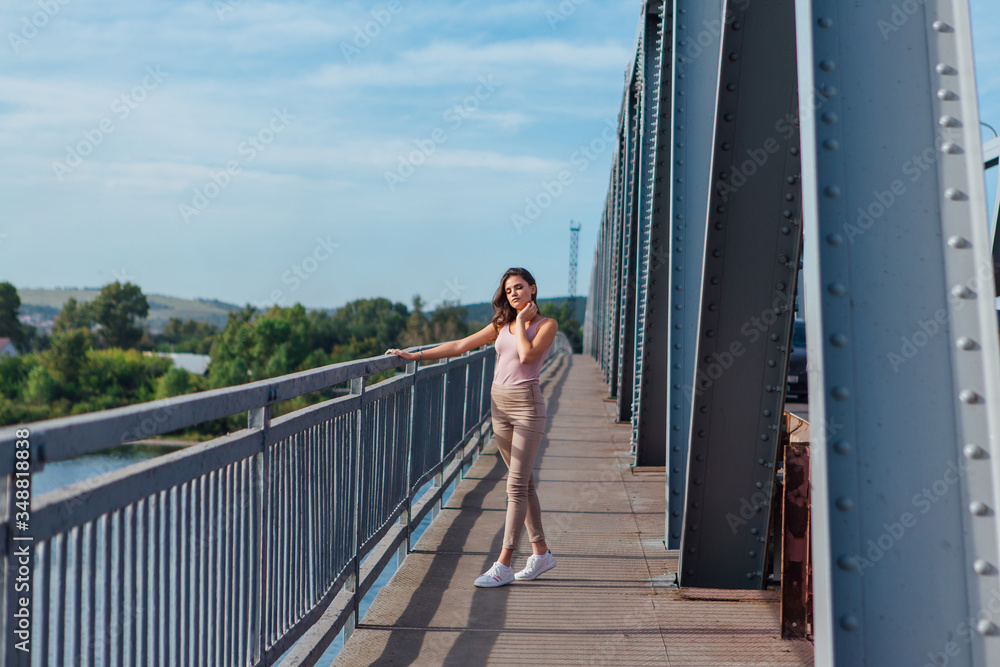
(518, 413)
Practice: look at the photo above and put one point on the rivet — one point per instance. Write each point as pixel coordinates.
(838, 340)
(760, 461)
(958, 242)
(951, 148)
(726, 145)
(827, 90)
(978, 508)
(774, 337)
(700, 457)
(737, 25)
(968, 396)
(842, 447)
(955, 194)
(849, 623)
(945, 94)
(759, 485)
(754, 531)
(840, 393)
(734, 56)
(949, 121)
(973, 451)
(831, 191)
(825, 22)
(720, 209)
(982, 566)
(986, 627)
(831, 144)
(714, 280)
(844, 504)
(763, 436)
(752, 554)
(787, 213)
(694, 527)
(946, 70)
(786, 230)
(827, 65)
(834, 239)
(790, 180)
(965, 343)
(718, 225)
(728, 117)
(749, 575)
(941, 26)
(845, 562)
(794, 150)
(961, 292)
(731, 87)
(767, 413)
(716, 253)
(836, 289)
(780, 286)
(829, 117)
(771, 362)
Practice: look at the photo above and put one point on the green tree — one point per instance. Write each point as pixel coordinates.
(10, 306)
(117, 309)
(66, 357)
(563, 314)
(415, 332)
(73, 315)
(186, 336)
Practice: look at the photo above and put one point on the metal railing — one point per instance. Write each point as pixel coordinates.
(232, 551)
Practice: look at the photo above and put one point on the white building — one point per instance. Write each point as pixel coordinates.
(7, 348)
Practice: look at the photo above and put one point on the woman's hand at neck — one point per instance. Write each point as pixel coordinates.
(527, 314)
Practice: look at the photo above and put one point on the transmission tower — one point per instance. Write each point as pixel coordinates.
(574, 246)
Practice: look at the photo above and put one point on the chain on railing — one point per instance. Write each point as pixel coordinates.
(231, 551)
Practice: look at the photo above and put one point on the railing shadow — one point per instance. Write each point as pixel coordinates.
(477, 638)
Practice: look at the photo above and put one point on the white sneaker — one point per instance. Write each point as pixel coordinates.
(498, 575)
(536, 565)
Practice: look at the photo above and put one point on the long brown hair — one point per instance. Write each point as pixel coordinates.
(503, 312)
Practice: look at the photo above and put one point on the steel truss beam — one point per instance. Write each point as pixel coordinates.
(902, 337)
(747, 301)
(697, 33)
(649, 396)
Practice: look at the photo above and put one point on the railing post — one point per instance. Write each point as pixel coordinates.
(357, 389)
(260, 482)
(411, 369)
(439, 477)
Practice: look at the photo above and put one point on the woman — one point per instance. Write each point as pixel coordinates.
(522, 339)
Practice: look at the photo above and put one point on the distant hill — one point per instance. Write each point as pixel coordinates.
(42, 305)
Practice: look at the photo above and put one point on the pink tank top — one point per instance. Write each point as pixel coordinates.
(509, 369)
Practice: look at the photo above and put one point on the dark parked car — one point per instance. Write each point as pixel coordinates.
(797, 380)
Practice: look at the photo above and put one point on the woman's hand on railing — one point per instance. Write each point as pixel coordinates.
(408, 356)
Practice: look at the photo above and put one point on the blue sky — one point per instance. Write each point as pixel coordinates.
(315, 152)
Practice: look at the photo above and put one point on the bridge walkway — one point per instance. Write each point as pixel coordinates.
(610, 600)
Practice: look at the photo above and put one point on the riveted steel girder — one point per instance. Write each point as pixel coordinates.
(902, 337)
(697, 32)
(751, 251)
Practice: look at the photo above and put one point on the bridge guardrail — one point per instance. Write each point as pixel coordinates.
(230, 551)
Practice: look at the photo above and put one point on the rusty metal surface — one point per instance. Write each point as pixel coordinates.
(796, 591)
(610, 600)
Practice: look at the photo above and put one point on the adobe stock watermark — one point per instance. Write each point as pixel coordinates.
(924, 501)
(692, 48)
(248, 150)
(455, 116)
(551, 190)
(298, 273)
(451, 293)
(30, 26)
(898, 17)
(973, 625)
(883, 200)
(562, 12)
(121, 108)
(785, 127)
(752, 330)
(364, 34)
(224, 7)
